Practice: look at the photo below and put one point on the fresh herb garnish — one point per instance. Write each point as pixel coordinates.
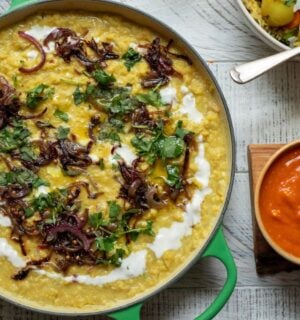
(21, 176)
(101, 164)
(54, 202)
(114, 210)
(12, 138)
(105, 244)
(62, 132)
(37, 95)
(109, 134)
(173, 176)
(171, 147)
(61, 115)
(158, 146)
(102, 78)
(152, 97)
(289, 3)
(79, 96)
(96, 220)
(180, 132)
(131, 57)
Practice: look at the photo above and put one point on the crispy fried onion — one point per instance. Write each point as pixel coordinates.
(161, 65)
(39, 47)
(136, 190)
(72, 154)
(30, 265)
(9, 102)
(68, 44)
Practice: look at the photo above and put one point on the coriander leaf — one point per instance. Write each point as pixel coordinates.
(27, 153)
(79, 96)
(62, 132)
(134, 233)
(61, 115)
(21, 176)
(105, 244)
(101, 164)
(117, 257)
(37, 95)
(29, 212)
(180, 132)
(96, 220)
(113, 210)
(289, 3)
(173, 178)
(110, 135)
(131, 57)
(103, 78)
(171, 147)
(152, 97)
(12, 138)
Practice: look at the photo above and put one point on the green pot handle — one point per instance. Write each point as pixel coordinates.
(132, 313)
(217, 248)
(19, 3)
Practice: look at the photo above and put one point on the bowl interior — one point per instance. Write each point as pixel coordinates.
(260, 31)
(273, 244)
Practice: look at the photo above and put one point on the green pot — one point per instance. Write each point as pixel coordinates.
(215, 245)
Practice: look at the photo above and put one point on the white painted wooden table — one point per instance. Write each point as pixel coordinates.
(265, 111)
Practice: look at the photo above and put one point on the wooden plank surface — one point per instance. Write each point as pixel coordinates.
(264, 111)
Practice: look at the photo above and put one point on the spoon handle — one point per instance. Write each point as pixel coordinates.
(251, 70)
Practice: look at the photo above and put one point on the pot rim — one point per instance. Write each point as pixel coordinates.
(232, 149)
(285, 254)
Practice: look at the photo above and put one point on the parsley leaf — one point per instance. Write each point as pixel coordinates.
(37, 95)
(131, 57)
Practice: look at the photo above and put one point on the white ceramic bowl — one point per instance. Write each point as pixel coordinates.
(260, 31)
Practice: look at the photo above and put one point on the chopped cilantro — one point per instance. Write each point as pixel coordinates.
(114, 210)
(173, 178)
(101, 164)
(152, 97)
(78, 96)
(62, 132)
(131, 57)
(21, 176)
(102, 78)
(61, 115)
(105, 244)
(37, 95)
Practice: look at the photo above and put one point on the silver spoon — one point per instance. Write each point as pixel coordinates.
(251, 70)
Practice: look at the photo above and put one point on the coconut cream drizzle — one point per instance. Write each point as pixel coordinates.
(40, 33)
(125, 153)
(170, 238)
(135, 264)
(188, 107)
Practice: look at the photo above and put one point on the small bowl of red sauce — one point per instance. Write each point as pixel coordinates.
(277, 201)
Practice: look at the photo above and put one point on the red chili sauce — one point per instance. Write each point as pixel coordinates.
(279, 201)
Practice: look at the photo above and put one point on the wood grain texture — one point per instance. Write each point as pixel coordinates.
(265, 111)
